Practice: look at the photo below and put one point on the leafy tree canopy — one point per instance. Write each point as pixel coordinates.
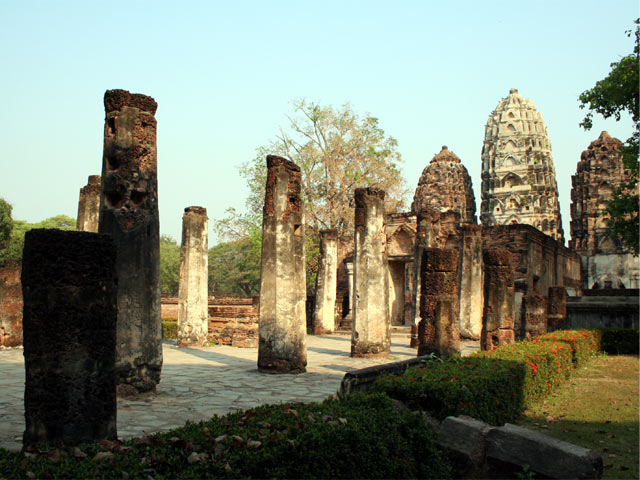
(615, 95)
(169, 266)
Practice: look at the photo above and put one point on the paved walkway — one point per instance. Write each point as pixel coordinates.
(197, 383)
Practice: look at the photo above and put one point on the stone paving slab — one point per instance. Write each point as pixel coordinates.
(198, 383)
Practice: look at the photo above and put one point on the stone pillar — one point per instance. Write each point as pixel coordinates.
(428, 227)
(497, 317)
(193, 291)
(10, 305)
(371, 327)
(129, 212)
(439, 315)
(471, 292)
(534, 316)
(282, 344)
(349, 266)
(557, 309)
(70, 290)
(89, 205)
(326, 283)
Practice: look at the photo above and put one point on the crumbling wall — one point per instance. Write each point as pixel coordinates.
(10, 305)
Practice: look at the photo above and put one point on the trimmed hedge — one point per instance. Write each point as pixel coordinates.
(620, 341)
(169, 329)
(494, 386)
(359, 436)
(485, 388)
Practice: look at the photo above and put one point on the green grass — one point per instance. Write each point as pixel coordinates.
(596, 409)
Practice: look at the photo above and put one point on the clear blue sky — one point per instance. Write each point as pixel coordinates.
(224, 74)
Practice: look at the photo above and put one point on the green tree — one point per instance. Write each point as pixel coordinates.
(6, 226)
(615, 95)
(234, 267)
(20, 227)
(169, 265)
(337, 152)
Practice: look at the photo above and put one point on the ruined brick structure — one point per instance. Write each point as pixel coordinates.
(400, 232)
(534, 316)
(557, 309)
(282, 343)
(439, 304)
(370, 332)
(605, 261)
(445, 186)
(326, 282)
(194, 275)
(129, 212)
(498, 323)
(89, 205)
(518, 175)
(70, 292)
(10, 304)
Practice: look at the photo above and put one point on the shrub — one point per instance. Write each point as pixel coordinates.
(620, 341)
(489, 389)
(584, 343)
(547, 365)
(354, 437)
(169, 329)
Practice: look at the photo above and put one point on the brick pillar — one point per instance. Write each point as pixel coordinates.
(89, 205)
(471, 291)
(282, 344)
(70, 290)
(129, 212)
(557, 309)
(10, 305)
(371, 327)
(439, 312)
(193, 291)
(497, 318)
(534, 316)
(324, 314)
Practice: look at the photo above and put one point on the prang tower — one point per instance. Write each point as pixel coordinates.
(518, 175)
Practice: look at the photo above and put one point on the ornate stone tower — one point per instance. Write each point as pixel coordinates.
(605, 261)
(445, 185)
(518, 175)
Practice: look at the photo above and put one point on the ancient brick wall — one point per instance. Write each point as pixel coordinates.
(10, 305)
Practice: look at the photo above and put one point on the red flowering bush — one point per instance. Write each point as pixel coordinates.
(548, 364)
(584, 343)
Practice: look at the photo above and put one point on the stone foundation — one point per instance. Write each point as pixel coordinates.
(70, 292)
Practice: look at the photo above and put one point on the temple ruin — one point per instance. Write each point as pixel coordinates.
(10, 304)
(193, 290)
(606, 262)
(497, 322)
(518, 175)
(129, 212)
(445, 186)
(89, 205)
(70, 295)
(370, 332)
(282, 331)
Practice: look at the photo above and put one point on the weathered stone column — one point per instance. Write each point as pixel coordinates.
(10, 305)
(497, 318)
(534, 316)
(438, 328)
(351, 287)
(428, 227)
(471, 291)
(371, 327)
(70, 290)
(282, 344)
(129, 212)
(193, 291)
(557, 309)
(326, 283)
(89, 205)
